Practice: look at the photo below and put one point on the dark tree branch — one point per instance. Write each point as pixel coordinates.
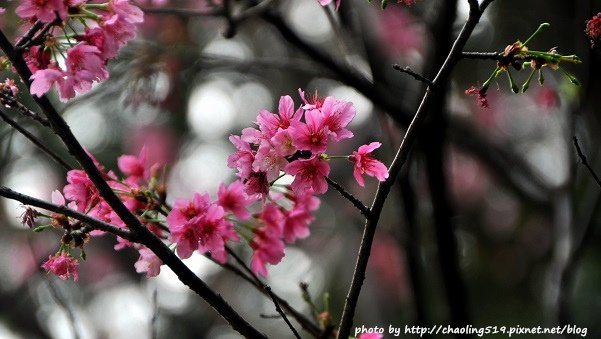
(139, 233)
(482, 55)
(400, 158)
(279, 310)
(35, 141)
(585, 161)
(356, 202)
(254, 280)
(94, 223)
(10, 101)
(415, 75)
(60, 299)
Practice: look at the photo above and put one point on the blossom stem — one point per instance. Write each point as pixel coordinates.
(538, 30)
(356, 202)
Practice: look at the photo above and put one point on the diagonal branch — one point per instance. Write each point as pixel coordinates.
(279, 310)
(35, 141)
(585, 161)
(94, 223)
(356, 202)
(400, 158)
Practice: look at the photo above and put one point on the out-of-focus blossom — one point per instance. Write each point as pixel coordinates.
(399, 32)
(148, 263)
(593, 29)
(327, 2)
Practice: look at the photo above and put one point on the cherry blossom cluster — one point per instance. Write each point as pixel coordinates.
(140, 191)
(60, 52)
(258, 208)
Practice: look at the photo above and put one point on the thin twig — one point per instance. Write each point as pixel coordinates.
(482, 55)
(400, 158)
(94, 223)
(415, 75)
(240, 262)
(356, 202)
(279, 309)
(585, 161)
(60, 299)
(254, 280)
(35, 141)
(10, 101)
(30, 33)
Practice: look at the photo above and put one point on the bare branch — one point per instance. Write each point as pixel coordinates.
(585, 161)
(400, 158)
(94, 223)
(356, 202)
(279, 310)
(415, 75)
(35, 141)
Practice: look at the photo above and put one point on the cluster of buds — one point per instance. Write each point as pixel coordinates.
(518, 57)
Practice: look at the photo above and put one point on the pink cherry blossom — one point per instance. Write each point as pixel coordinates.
(81, 190)
(148, 263)
(370, 336)
(134, 167)
(268, 248)
(62, 265)
(117, 30)
(272, 217)
(282, 143)
(311, 101)
(183, 223)
(268, 160)
(257, 184)
(270, 123)
(126, 11)
(336, 116)
(37, 58)
(43, 79)
(366, 164)
(214, 231)
(184, 211)
(44, 10)
(309, 174)
(185, 237)
(298, 219)
(233, 199)
(242, 159)
(311, 135)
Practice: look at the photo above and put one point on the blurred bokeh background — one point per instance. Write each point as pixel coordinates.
(493, 222)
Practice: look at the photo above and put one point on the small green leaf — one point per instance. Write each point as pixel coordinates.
(541, 78)
(384, 4)
(83, 255)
